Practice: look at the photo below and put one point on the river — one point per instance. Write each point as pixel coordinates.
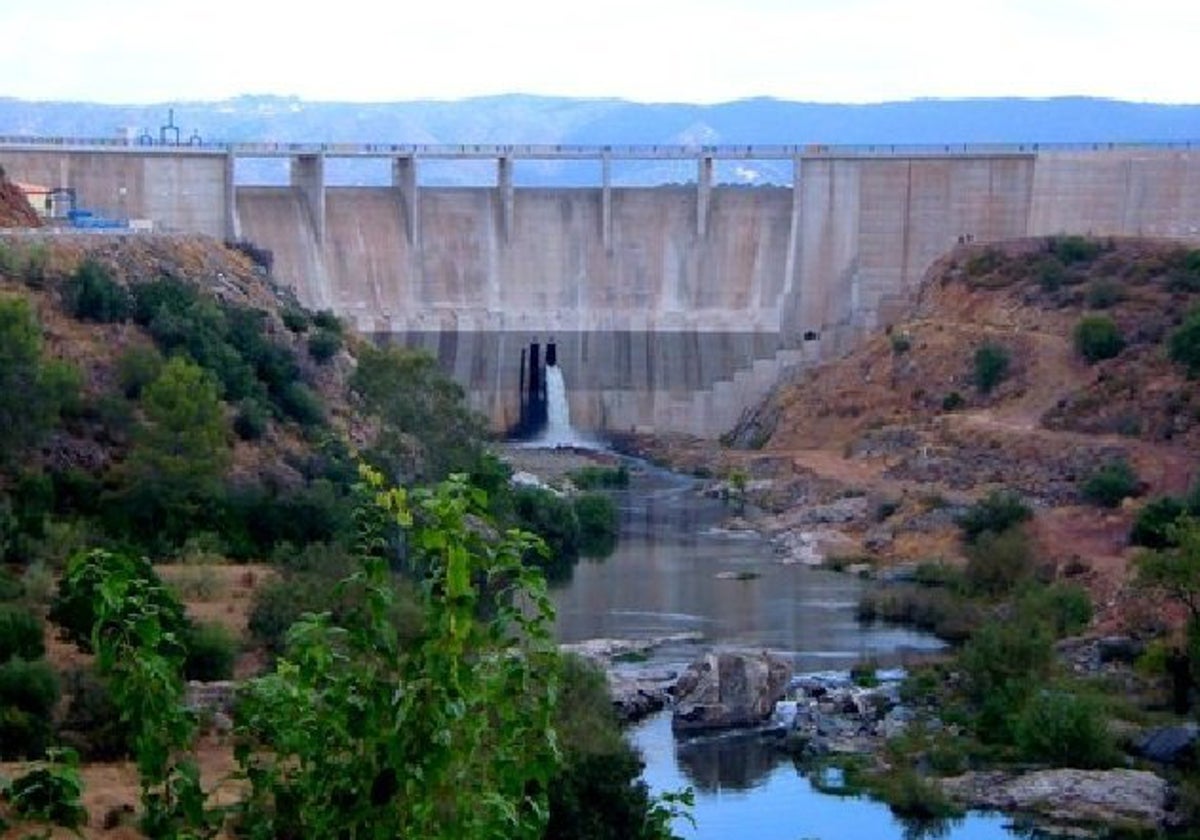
(676, 571)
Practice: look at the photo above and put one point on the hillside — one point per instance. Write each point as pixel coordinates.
(903, 425)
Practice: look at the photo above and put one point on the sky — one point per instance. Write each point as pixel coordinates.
(700, 51)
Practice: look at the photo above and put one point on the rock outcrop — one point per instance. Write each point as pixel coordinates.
(728, 689)
(1133, 798)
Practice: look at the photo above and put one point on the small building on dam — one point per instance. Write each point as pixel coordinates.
(670, 308)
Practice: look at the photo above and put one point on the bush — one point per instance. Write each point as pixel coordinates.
(552, 518)
(324, 344)
(1002, 665)
(211, 653)
(1065, 608)
(21, 634)
(1152, 521)
(92, 722)
(295, 319)
(1104, 293)
(252, 419)
(598, 524)
(326, 320)
(998, 561)
(1065, 730)
(50, 794)
(953, 401)
(300, 403)
(593, 477)
(990, 367)
(74, 606)
(1184, 344)
(28, 693)
(1050, 274)
(1074, 249)
(1097, 337)
(137, 367)
(996, 512)
(1112, 483)
(901, 343)
(91, 294)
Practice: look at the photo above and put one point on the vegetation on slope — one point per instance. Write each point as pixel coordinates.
(164, 403)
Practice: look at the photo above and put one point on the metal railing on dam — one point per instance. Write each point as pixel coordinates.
(542, 151)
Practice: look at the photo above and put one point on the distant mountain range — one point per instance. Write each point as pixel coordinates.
(555, 120)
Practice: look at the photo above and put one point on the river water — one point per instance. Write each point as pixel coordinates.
(676, 571)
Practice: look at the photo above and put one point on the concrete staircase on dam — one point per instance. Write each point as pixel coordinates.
(715, 410)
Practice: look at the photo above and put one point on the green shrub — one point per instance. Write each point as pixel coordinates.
(21, 634)
(28, 694)
(598, 524)
(597, 792)
(1104, 293)
(984, 262)
(1184, 344)
(936, 610)
(301, 403)
(295, 319)
(996, 512)
(74, 605)
(953, 401)
(1066, 608)
(594, 477)
(326, 320)
(997, 561)
(211, 653)
(50, 793)
(1111, 484)
(1074, 249)
(91, 294)
(11, 588)
(901, 343)
(1150, 526)
(324, 344)
(1065, 730)
(1002, 664)
(911, 796)
(252, 419)
(1050, 274)
(92, 723)
(1097, 337)
(137, 367)
(991, 365)
(553, 518)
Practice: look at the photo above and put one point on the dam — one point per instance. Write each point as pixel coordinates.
(672, 308)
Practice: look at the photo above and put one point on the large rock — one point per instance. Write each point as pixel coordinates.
(728, 689)
(1104, 797)
(1171, 744)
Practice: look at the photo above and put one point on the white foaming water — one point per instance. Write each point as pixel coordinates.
(558, 431)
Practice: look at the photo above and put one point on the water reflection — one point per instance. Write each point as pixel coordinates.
(675, 571)
(731, 761)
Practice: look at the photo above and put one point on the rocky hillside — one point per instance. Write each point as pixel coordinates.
(1024, 366)
(15, 210)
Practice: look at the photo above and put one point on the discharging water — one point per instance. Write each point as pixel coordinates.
(676, 571)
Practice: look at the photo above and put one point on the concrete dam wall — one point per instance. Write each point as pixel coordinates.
(671, 308)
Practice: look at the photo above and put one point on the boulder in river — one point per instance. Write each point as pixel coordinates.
(1066, 797)
(729, 689)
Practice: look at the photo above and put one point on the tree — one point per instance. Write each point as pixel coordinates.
(179, 453)
(1184, 344)
(31, 392)
(991, 366)
(452, 736)
(426, 429)
(1175, 570)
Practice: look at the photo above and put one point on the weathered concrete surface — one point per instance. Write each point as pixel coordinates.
(665, 327)
(180, 192)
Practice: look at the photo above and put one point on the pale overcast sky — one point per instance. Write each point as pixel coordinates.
(136, 51)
